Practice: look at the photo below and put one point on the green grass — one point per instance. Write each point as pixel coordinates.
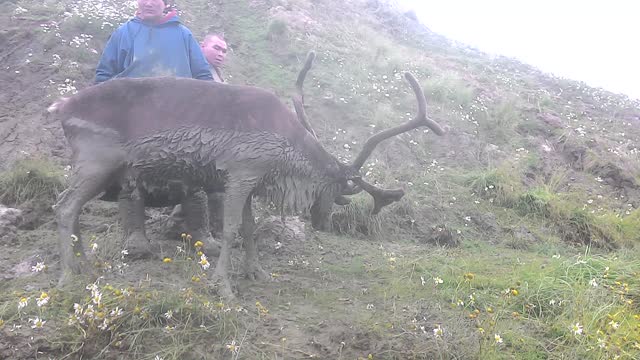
(28, 180)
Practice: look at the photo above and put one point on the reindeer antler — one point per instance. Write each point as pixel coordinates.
(298, 99)
(420, 120)
(381, 197)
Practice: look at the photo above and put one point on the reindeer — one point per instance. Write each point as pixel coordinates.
(158, 140)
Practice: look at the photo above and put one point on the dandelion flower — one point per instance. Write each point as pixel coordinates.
(469, 276)
(576, 329)
(37, 323)
(38, 267)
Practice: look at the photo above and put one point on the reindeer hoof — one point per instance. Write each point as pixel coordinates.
(212, 247)
(255, 272)
(79, 270)
(223, 285)
(138, 247)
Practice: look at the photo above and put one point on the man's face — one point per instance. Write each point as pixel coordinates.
(215, 50)
(150, 10)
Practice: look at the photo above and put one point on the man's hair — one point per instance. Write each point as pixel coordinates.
(220, 36)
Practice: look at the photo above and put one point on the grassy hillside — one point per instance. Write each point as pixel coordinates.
(517, 237)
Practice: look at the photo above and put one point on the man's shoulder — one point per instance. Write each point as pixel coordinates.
(184, 29)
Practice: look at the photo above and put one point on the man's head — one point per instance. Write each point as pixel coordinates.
(151, 10)
(215, 49)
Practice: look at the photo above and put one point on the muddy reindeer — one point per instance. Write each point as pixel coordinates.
(158, 140)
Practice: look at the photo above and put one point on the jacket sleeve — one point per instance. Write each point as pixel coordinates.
(199, 65)
(112, 60)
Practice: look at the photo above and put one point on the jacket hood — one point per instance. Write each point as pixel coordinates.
(168, 18)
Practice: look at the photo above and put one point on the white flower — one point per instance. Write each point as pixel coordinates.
(116, 312)
(437, 331)
(614, 325)
(233, 347)
(204, 262)
(94, 247)
(437, 280)
(37, 323)
(23, 302)
(593, 283)
(43, 299)
(497, 338)
(168, 314)
(576, 329)
(77, 308)
(422, 280)
(38, 267)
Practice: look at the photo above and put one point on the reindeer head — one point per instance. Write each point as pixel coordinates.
(348, 178)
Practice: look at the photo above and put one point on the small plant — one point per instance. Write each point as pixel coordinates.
(278, 29)
(32, 179)
(499, 186)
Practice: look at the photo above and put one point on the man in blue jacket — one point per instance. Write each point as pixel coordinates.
(153, 43)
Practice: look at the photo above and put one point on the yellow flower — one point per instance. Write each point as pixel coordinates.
(469, 276)
(195, 278)
(490, 310)
(167, 260)
(198, 244)
(514, 292)
(199, 253)
(1, 322)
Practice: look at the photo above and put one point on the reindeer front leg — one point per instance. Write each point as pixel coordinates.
(252, 268)
(196, 214)
(237, 191)
(131, 207)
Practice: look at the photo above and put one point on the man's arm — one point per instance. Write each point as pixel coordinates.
(199, 65)
(110, 63)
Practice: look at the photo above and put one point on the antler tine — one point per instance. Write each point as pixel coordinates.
(298, 99)
(420, 120)
(381, 197)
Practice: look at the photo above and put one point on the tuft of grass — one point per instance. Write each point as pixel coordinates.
(31, 179)
(500, 186)
(355, 219)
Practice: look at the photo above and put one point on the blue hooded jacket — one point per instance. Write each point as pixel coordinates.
(140, 49)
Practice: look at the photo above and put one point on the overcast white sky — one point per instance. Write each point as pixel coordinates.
(597, 42)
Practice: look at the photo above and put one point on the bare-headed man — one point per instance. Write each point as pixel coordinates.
(214, 48)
